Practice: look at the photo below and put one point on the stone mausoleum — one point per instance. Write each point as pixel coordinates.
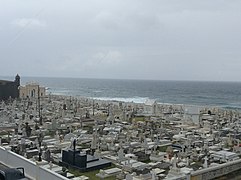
(82, 161)
(32, 90)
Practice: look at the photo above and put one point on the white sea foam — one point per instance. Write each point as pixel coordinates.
(235, 105)
(122, 99)
(97, 91)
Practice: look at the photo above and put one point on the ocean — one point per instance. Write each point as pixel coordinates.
(219, 94)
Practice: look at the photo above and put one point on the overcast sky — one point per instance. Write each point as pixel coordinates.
(124, 39)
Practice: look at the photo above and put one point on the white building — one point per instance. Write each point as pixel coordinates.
(32, 90)
(150, 107)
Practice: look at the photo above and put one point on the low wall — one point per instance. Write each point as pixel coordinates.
(216, 171)
(32, 170)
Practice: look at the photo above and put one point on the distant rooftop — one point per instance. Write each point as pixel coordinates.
(32, 83)
(5, 81)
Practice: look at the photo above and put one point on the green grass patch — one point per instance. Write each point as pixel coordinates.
(101, 116)
(147, 161)
(91, 174)
(139, 119)
(162, 149)
(3, 133)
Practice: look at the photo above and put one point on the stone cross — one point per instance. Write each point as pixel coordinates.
(154, 148)
(187, 161)
(153, 175)
(205, 165)
(174, 162)
(57, 135)
(121, 154)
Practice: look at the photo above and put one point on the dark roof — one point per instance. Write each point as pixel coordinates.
(11, 173)
(5, 81)
(97, 163)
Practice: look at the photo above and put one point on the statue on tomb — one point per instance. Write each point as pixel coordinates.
(47, 155)
(54, 123)
(93, 144)
(36, 126)
(28, 129)
(23, 141)
(31, 144)
(40, 138)
(16, 128)
(64, 107)
(68, 130)
(50, 165)
(129, 177)
(153, 175)
(174, 162)
(71, 143)
(74, 144)
(145, 145)
(35, 144)
(75, 110)
(205, 165)
(64, 171)
(57, 136)
(169, 151)
(121, 155)
(101, 172)
(40, 154)
(187, 161)
(24, 133)
(19, 128)
(183, 148)
(195, 152)
(10, 119)
(97, 154)
(87, 114)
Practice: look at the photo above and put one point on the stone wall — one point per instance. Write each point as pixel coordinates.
(32, 170)
(217, 171)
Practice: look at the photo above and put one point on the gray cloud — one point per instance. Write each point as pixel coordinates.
(167, 39)
(30, 22)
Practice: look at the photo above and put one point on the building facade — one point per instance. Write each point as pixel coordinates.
(150, 107)
(32, 90)
(9, 89)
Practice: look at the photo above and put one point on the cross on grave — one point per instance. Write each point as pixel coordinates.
(205, 165)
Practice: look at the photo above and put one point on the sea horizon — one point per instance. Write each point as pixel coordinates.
(199, 93)
(9, 77)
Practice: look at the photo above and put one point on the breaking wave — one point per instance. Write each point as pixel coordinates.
(122, 99)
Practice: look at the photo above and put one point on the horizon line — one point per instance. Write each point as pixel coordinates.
(130, 79)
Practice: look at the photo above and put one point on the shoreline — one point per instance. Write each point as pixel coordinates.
(125, 101)
(221, 95)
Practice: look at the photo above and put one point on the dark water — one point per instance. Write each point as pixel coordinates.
(222, 94)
